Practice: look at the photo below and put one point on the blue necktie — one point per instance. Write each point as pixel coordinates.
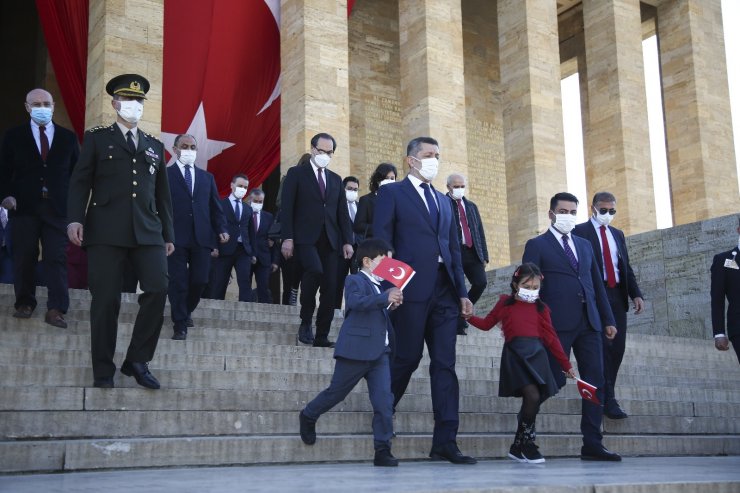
(237, 210)
(569, 253)
(431, 204)
(188, 179)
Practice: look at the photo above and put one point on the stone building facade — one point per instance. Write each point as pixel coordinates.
(483, 77)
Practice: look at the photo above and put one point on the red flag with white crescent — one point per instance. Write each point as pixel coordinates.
(221, 83)
(587, 391)
(394, 271)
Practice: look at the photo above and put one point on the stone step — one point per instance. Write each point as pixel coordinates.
(139, 399)
(29, 376)
(114, 424)
(71, 455)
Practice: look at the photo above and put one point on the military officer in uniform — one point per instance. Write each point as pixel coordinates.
(128, 219)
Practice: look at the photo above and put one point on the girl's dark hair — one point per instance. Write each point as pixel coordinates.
(379, 175)
(522, 273)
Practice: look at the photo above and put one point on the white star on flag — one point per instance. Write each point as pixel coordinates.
(206, 148)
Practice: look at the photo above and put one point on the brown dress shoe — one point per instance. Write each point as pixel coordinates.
(23, 311)
(56, 318)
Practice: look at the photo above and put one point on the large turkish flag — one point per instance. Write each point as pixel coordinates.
(221, 83)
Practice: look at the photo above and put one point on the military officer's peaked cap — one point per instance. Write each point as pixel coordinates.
(131, 85)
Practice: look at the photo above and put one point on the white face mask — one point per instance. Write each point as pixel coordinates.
(458, 193)
(565, 223)
(131, 111)
(386, 181)
(603, 219)
(351, 195)
(321, 160)
(528, 295)
(240, 192)
(187, 156)
(256, 207)
(429, 168)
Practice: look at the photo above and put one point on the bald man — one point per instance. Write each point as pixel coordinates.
(36, 160)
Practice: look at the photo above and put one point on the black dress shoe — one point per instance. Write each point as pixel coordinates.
(308, 429)
(384, 458)
(140, 371)
(179, 336)
(305, 334)
(104, 383)
(599, 454)
(451, 453)
(323, 342)
(613, 411)
(189, 322)
(23, 311)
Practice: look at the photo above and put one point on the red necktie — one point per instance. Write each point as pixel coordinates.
(611, 276)
(467, 237)
(44, 142)
(322, 184)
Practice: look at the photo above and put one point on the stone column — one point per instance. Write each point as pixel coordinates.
(432, 80)
(701, 155)
(533, 116)
(124, 37)
(315, 90)
(617, 144)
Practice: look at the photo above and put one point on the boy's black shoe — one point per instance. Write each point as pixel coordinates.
(384, 458)
(308, 429)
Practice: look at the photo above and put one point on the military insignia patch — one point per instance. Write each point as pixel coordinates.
(150, 152)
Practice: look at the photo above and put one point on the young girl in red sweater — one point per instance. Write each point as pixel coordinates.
(525, 366)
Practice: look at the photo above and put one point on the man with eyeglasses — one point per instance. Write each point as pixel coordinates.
(315, 227)
(36, 160)
(120, 210)
(610, 249)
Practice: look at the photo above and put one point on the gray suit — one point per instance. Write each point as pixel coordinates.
(361, 352)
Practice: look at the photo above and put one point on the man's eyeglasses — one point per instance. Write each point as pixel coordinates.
(604, 210)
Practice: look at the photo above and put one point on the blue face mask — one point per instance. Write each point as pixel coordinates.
(42, 115)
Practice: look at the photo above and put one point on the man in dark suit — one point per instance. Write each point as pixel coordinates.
(574, 291)
(197, 220)
(264, 248)
(610, 250)
(237, 253)
(6, 251)
(36, 160)
(473, 248)
(129, 218)
(417, 221)
(348, 265)
(726, 285)
(315, 226)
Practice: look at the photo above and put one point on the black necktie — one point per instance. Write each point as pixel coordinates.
(130, 140)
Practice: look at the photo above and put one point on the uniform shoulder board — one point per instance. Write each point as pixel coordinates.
(152, 137)
(97, 129)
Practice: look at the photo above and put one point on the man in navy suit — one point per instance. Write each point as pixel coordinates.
(237, 253)
(726, 285)
(610, 250)
(315, 226)
(347, 266)
(264, 249)
(197, 218)
(574, 290)
(6, 252)
(418, 223)
(363, 351)
(36, 161)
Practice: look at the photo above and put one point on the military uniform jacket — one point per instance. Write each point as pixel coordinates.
(129, 194)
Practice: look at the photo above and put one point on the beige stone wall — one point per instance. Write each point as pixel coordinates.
(376, 134)
(125, 36)
(484, 125)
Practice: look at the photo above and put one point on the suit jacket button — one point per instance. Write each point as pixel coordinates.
(134, 171)
(133, 195)
(135, 183)
(110, 157)
(95, 203)
(134, 159)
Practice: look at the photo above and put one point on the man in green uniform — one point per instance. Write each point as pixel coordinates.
(128, 221)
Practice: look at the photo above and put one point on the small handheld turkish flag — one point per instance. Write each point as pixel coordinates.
(395, 272)
(587, 391)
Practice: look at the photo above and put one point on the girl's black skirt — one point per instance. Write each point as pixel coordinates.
(524, 361)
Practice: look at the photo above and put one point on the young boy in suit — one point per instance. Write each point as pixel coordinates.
(362, 351)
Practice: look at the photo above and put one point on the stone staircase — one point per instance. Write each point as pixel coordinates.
(231, 395)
